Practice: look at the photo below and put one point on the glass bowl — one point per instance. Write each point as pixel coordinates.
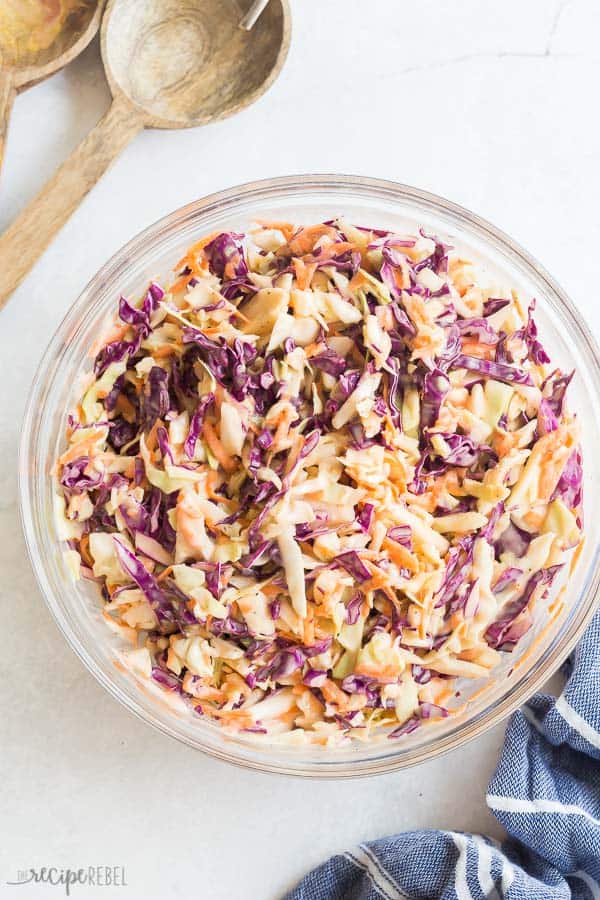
(151, 255)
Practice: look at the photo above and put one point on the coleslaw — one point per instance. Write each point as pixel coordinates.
(324, 475)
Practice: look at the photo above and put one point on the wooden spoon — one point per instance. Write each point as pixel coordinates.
(169, 64)
(26, 57)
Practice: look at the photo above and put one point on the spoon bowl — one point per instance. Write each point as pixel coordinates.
(33, 47)
(183, 63)
(169, 64)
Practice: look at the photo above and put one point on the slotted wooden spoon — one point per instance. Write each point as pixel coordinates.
(22, 64)
(169, 64)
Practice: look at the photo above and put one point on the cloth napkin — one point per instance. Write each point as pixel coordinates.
(546, 794)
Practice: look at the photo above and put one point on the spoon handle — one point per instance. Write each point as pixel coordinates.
(25, 240)
(248, 22)
(7, 95)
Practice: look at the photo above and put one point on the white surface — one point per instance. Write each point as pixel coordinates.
(489, 104)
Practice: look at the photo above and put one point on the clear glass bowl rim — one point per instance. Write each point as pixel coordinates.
(281, 189)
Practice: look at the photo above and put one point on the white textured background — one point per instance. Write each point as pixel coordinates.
(492, 105)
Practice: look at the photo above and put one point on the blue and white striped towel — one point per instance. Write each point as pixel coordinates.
(546, 794)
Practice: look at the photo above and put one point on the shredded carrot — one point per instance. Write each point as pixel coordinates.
(179, 284)
(442, 695)
(357, 281)
(401, 556)
(558, 600)
(535, 518)
(576, 555)
(191, 257)
(129, 471)
(478, 349)
(334, 694)
(84, 550)
(117, 333)
(125, 407)
(329, 251)
(286, 228)
(165, 573)
(86, 447)
(213, 330)
(314, 348)
(304, 272)
(151, 439)
(211, 484)
(455, 267)
(203, 242)
(285, 419)
(309, 627)
(288, 635)
(216, 448)
(305, 239)
(503, 442)
(379, 582)
(163, 352)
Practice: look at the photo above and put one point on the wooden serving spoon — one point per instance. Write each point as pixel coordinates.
(169, 64)
(27, 57)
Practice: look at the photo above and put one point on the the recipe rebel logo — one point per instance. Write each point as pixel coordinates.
(91, 876)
